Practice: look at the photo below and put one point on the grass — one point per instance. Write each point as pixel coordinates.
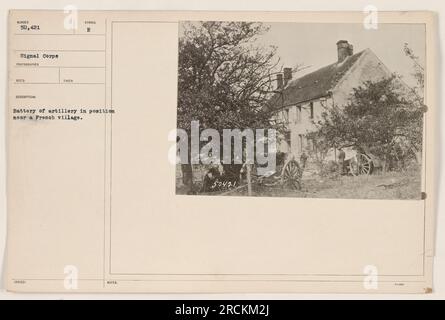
(390, 185)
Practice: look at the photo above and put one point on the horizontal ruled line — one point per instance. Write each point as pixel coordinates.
(59, 34)
(58, 50)
(225, 280)
(62, 67)
(64, 83)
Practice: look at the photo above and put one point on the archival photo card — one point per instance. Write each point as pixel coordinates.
(221, 152)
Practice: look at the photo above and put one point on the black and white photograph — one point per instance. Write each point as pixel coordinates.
(304, 110)
(254, 152)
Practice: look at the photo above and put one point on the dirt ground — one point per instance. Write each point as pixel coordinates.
(390, 185)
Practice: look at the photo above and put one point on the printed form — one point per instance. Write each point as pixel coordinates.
(95, 203)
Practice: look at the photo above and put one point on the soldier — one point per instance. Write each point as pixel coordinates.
(341, 160)
(303, 160)
(210, 180)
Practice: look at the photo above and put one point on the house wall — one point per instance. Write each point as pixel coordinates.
(367, 68)
(299, 123)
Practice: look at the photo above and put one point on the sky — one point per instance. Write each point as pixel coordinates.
(314, 45)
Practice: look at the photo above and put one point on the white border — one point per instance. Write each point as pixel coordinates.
(239, 5)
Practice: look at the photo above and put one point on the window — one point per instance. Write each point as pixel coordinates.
(311, 144)
(285, 115)
(298, 115)
(287, 137)
(301, 142)
(311, 106)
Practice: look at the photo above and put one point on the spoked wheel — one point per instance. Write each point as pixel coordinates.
(291, 175)
(361, 165)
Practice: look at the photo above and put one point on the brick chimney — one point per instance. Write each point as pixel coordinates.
(287, 73)
(280, 81)
(344, 50)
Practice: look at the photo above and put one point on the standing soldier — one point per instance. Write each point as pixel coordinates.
(303, 160)
(341, 160)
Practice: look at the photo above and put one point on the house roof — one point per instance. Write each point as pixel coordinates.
(313, 85)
